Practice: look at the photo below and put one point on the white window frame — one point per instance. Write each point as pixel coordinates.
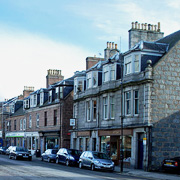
(35, 100)
(105, 107)
(136, 102)
(50, 96)
(26, 103)
(61, 92)
(95, 78)
(105, 73)
(24, 124)
(88, 110)
(94, 108)
(127, 102)
(41, 98)
(130, 63)
(57, 93)
(112, 107)
(112, 68)
(30, 121)
(21, 124)
(76, 84)
(89, 80)
(37, 120)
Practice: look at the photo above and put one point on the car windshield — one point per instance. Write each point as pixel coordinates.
(54, 151)
(74, 152)
(98, 155)
(21, 149)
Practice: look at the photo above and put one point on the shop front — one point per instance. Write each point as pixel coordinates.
(84, 140)
(16, 139)
(49, 140)
(111, 142)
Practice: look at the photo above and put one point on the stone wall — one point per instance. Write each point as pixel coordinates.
(165, 97)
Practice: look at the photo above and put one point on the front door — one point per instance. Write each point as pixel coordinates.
(140, 150)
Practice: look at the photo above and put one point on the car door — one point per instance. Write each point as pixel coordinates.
(64, 155)
(46, 154)
(61, 155)
(85, 158)
(89, 158)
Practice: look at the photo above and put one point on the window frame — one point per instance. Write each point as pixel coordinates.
(128, 109)
(30, 121)
(136, 102)
(37, 120)
(88, 110)
(105, 107)
(112, 106)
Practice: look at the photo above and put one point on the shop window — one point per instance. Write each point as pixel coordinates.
(127, 148)
(105, 144)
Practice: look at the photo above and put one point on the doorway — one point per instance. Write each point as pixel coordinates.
(140, 150)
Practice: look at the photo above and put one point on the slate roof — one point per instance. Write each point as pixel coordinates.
(144, 59)
(171, 39)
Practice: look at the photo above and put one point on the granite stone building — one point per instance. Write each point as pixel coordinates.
(129, 102)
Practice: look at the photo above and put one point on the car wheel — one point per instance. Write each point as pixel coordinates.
(9, 156)
(15, 157)
(92, 167)
(80, 165)
(67, 162)
(49, 160)
(42, 159)
(57, 161)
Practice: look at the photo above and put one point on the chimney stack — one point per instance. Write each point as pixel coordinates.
(145, 32)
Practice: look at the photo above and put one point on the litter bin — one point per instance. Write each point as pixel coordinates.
(38, 153)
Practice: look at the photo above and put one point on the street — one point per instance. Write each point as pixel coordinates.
(37, 170)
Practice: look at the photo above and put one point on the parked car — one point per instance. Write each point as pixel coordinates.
(3, 150)
(49, 155)
(96, 160)
(171, 164)
(20, 153)
(9, 149)
(68, 156)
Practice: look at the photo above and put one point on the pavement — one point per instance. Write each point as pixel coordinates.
(144, 174)
(150, 175)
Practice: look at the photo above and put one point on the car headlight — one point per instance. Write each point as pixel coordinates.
(97, 162)
(113, 163)
(71, 158)
(20, 154)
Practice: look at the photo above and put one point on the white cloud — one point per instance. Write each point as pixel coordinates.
(25, 59)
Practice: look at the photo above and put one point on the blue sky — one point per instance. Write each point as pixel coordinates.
(38, 35)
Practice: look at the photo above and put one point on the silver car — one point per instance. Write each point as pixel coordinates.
(96, 160)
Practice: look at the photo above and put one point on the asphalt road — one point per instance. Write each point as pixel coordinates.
(37, 170)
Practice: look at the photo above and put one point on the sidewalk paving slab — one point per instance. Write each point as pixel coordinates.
(150, 175)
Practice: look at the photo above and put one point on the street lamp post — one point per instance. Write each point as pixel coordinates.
(122, 120)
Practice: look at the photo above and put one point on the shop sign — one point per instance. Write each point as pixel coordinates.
(15, 134)
(31, 134)
(72, 122)
(83, 133)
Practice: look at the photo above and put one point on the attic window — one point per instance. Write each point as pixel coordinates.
(41, 98)
(50, 96)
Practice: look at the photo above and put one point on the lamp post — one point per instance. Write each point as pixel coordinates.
(122, 120)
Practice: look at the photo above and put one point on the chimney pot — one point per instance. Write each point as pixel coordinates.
(159, 28)
(155, 27)
(115, 46)
(142, 26)
(110, 45)
(139, 26)
(132, 25)
(107, 44)
(136, 24)
(145, 26)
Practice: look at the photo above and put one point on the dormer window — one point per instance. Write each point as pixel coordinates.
(12, 108)
(89, 80)
(95, 79)
(132, 63)
(105, 73)
(79, 84)
(26, 103)
(112, 72)
(50, 97)
(57, 93)
(41, 98)
(61, 92)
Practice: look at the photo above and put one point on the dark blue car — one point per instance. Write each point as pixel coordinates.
(68, 156)
(49, 155)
